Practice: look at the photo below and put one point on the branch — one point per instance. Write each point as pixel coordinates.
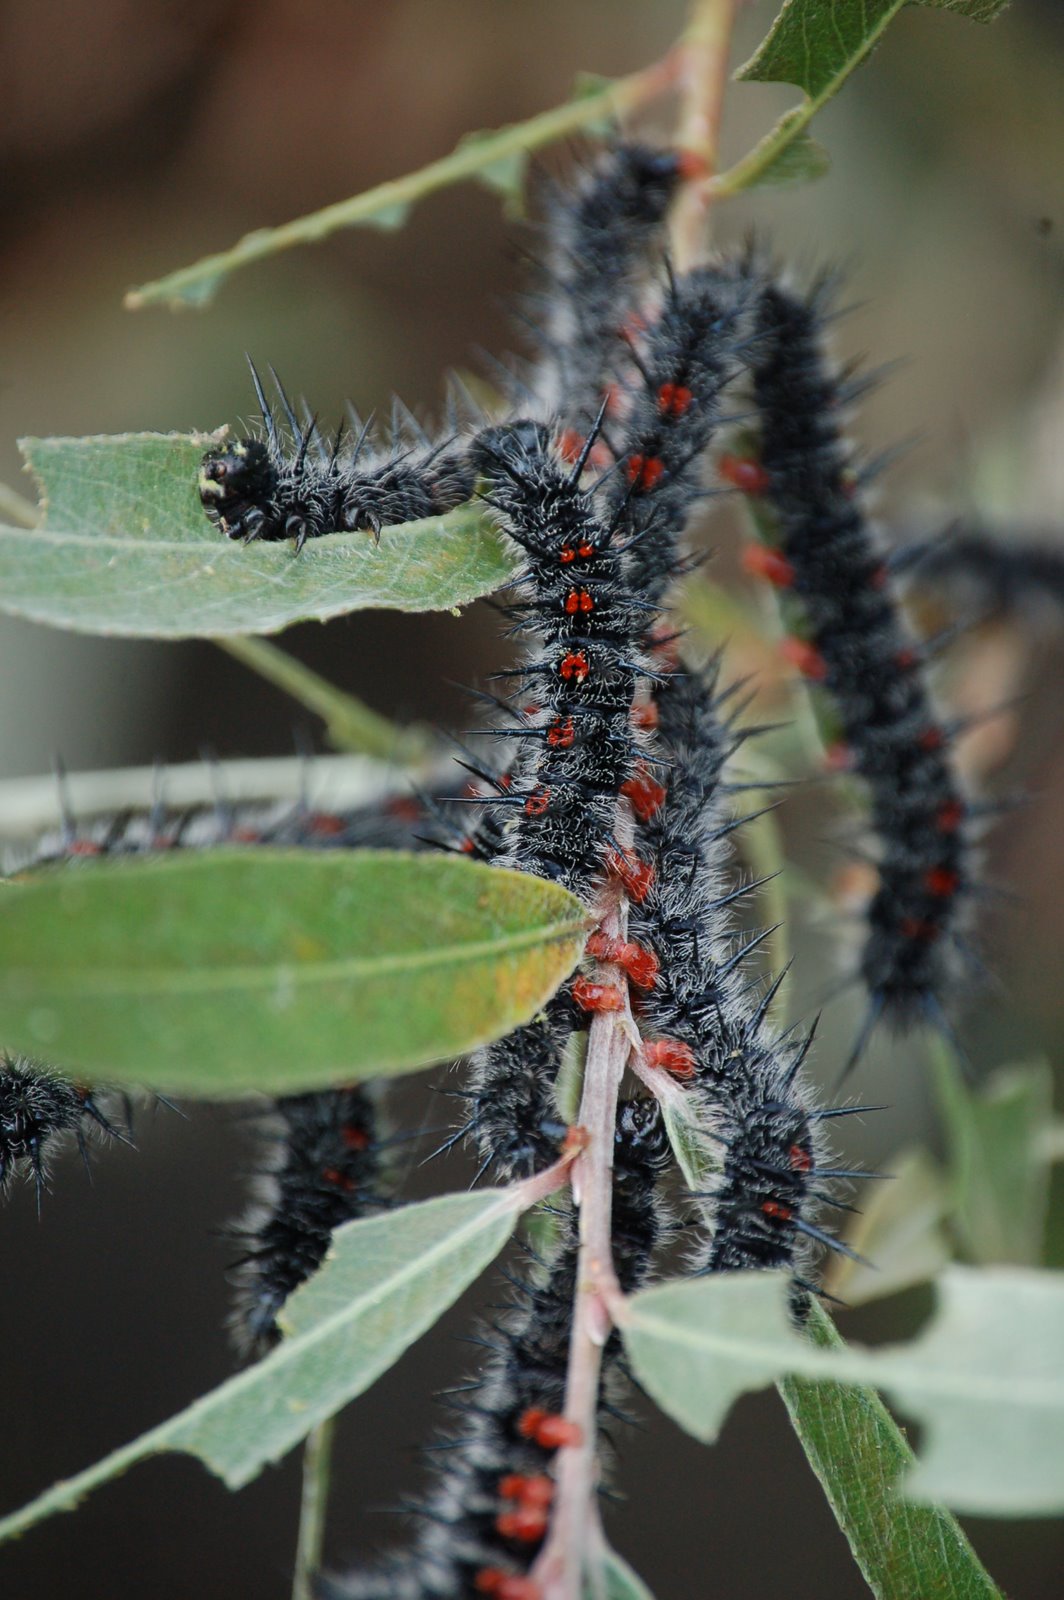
(559, 1569)
(705, 50)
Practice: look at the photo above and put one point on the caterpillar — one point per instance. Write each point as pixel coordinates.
(322, 1168)
(995, 570)
(484, 1519)
(708, 1025)
(38, 1108)
(601, 236)
(853, 642)
(295, 485)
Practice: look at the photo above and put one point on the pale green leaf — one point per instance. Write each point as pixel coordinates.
(619, 1581)
(280, 970)
(857, 1450)
(794, 161)
(386, 1280)
(816, 45)
(984, 1378)
(125, 548)
(900, 1230)
(689, 1145)
(999, 1172)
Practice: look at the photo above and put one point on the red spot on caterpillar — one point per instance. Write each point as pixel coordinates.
(941, 882)
(245, 836)
(538, 801)
(555, 1433)
(772, 1208)
(878, 576)
(644, 471)
(634, 323)
(506, 1585)
(805, 657)
(578, 600)
(338, 1179)
(919, 929)
(355, 1138)
(672, 1055)
(566, 554)
(931, 739)
(801, 1160)
(597, 996)
(561, 733)
(537, 1490)
(640, 964)
(323, 825)
(905, 659)
(645, 793)
(762, 562)
(468, 846)
(645, 715)
(529, 1421)
(525, 1525)
(570, 444)
(674, 399)
(574, 665)
(838, 758)
(743, 473)
(634, 876)
(84, 847)
(949, 816)
(585, 551)
(403, 806)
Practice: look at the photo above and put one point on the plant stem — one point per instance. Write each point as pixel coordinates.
(349, 724)
(388, 201)
(317, 1470)
(559, 1569)
(705, 48)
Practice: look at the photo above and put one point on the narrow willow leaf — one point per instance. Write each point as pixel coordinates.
(900, 1229)
(126, 549)
(689, 1146)
(494, 156)
(857, 1450)
(984, 1378)
(280, 970)
(816, 45)
(798, 160)
(998, 1168)
(386, 1280)
(619, 1582)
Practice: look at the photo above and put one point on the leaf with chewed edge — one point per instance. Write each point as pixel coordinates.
(126, 548)
(385, 1281)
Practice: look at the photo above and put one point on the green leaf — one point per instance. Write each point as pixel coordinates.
(280, 970)
(984, 1378)
(816, 45)
(792, 161)
(386, 1280)
(496, 156)
(998, 1169)
(856, 1449)
(689, 1146)
(900, 1230)
(126, 549)
(619, 1581)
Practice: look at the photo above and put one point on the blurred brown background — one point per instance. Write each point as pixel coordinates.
(136, 137)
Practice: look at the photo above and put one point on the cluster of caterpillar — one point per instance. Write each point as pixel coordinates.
(483, 1520)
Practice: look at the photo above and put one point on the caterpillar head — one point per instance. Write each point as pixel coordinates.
(235, 484)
